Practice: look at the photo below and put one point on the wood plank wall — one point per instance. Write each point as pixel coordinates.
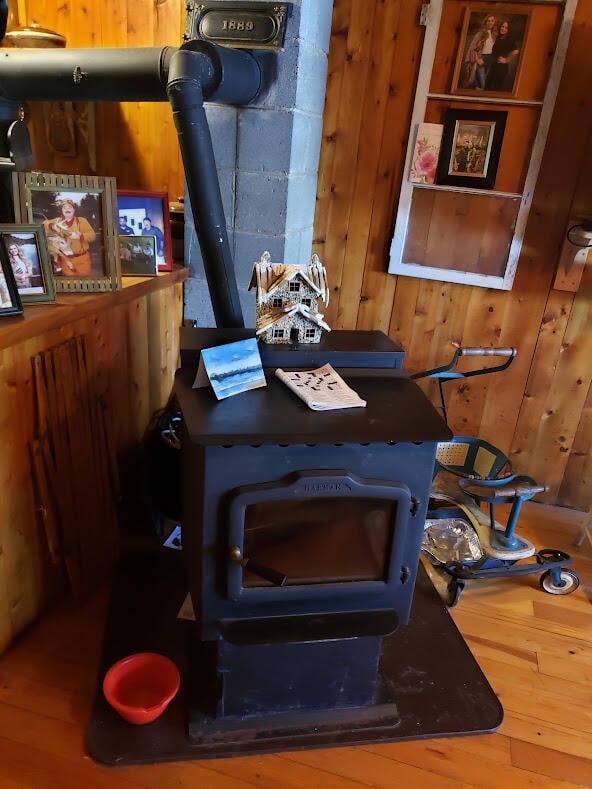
(131, 355)
(540, 411)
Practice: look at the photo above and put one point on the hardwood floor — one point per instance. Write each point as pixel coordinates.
(535, 649)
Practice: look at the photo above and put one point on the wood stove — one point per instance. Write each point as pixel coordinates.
(302, 529)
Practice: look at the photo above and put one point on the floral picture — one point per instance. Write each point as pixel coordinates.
(425, 153)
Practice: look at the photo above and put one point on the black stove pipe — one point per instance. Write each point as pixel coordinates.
(188, 76)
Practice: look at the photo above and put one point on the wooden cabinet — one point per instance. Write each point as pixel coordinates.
(109, 360)
(468, 226)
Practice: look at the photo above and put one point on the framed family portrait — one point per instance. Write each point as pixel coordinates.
(77, 214)
(147, 214)
(137, 255)
(489, 56)
(10, 301)
(26, 248)
(471, 146)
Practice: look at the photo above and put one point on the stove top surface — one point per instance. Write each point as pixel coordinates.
(397, 411)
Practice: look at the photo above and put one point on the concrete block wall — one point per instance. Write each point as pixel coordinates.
(267, 156)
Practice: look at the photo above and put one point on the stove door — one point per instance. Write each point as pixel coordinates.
(315, 532)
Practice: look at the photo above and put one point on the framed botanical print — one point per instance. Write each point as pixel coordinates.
(78, 217)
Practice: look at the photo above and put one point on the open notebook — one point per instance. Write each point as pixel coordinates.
(322, 389)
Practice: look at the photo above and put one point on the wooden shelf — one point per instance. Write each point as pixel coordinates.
(484, 100)
(467, 190)
(518, 166)
(40, 318)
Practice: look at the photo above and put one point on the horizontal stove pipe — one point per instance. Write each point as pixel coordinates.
(198, 71)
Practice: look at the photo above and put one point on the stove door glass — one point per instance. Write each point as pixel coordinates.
(319, 541)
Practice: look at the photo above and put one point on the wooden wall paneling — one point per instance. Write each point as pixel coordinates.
(378, 288)
(138, 366)
(551, 207)
(330, 142)
(402, 318)
(569, 273)
(348, 129)
(484, 313)
(373, 108)
(538, 385)
(172, 312)
(576, 485)
(160, 383)
(19, 577)
(564, 399)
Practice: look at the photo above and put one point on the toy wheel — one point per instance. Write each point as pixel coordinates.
(569, 579)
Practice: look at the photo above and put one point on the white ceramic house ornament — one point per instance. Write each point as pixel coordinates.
(287, 300)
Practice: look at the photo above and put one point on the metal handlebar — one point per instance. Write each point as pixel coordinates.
(446, 373)
(487, 352)
(444, 370)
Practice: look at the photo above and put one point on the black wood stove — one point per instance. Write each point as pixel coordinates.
(302, 529)
(314, 623)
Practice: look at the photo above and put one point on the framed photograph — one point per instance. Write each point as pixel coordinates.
(10, 301)
(137, 255)
(77, 214)
(471, 145)
(147, 214)
(489, 55)
(28, 256)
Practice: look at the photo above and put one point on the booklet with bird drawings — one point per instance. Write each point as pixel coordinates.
(322, 389)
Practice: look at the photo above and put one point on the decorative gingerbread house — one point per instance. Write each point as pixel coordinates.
(287, 300)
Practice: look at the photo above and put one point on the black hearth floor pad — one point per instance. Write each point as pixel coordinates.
(435, 683)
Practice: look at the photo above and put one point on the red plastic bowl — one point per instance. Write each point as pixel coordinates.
(139, 687)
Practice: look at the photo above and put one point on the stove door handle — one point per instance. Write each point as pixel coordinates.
(261, 570)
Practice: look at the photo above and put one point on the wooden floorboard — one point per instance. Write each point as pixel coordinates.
(535, 649)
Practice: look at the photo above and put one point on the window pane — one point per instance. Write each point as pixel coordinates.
(316, 541)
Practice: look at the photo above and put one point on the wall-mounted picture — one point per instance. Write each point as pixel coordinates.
(489, 56)
(28, 256)
(137, 255)
(471, 146)
(79, 226)
(10, 301)
(147, 214)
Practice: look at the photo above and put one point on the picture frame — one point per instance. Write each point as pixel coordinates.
(471, 147)
(10, 301)
(78, 215)
(137, 255)
(28, 255)
(144, 214)
(490, 52)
